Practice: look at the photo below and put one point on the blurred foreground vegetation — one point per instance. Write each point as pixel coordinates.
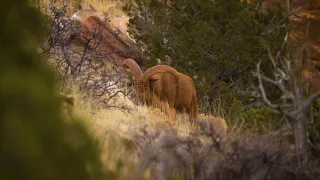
(37, 142)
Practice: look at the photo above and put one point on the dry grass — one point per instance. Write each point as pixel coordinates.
(115, 129)
(111, 6)
(101, 120)
(164, 150)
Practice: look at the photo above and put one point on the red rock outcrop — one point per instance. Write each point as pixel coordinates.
(106, 35)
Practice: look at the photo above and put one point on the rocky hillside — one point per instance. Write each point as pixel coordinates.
(106, 32)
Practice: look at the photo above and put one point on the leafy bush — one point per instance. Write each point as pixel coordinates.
(211, 41)
(261, 119)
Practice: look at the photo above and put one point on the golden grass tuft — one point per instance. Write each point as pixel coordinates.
(113, 128)
(104, 119)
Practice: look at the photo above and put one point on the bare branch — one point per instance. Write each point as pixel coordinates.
(294, 103)
(264, 96)
(76, 52)
(285, 18)
(310, 101)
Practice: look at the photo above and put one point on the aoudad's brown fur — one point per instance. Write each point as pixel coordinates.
(165, 88)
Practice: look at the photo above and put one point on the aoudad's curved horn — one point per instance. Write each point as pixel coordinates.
(134, 67)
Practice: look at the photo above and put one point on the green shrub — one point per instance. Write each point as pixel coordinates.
(235, 109)
(258, 120)
(213, 40)
(261, 119)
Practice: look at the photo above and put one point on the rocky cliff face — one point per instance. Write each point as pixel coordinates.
(106, 34)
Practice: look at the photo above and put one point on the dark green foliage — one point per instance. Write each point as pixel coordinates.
(35, 141)
(314, 128)
(217, 43)
(214, 40)
(261, 119)
(256, 120)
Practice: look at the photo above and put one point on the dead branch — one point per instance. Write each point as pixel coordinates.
(292, 103)
(73, 51)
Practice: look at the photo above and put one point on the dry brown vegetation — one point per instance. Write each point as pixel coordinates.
(148, 147)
